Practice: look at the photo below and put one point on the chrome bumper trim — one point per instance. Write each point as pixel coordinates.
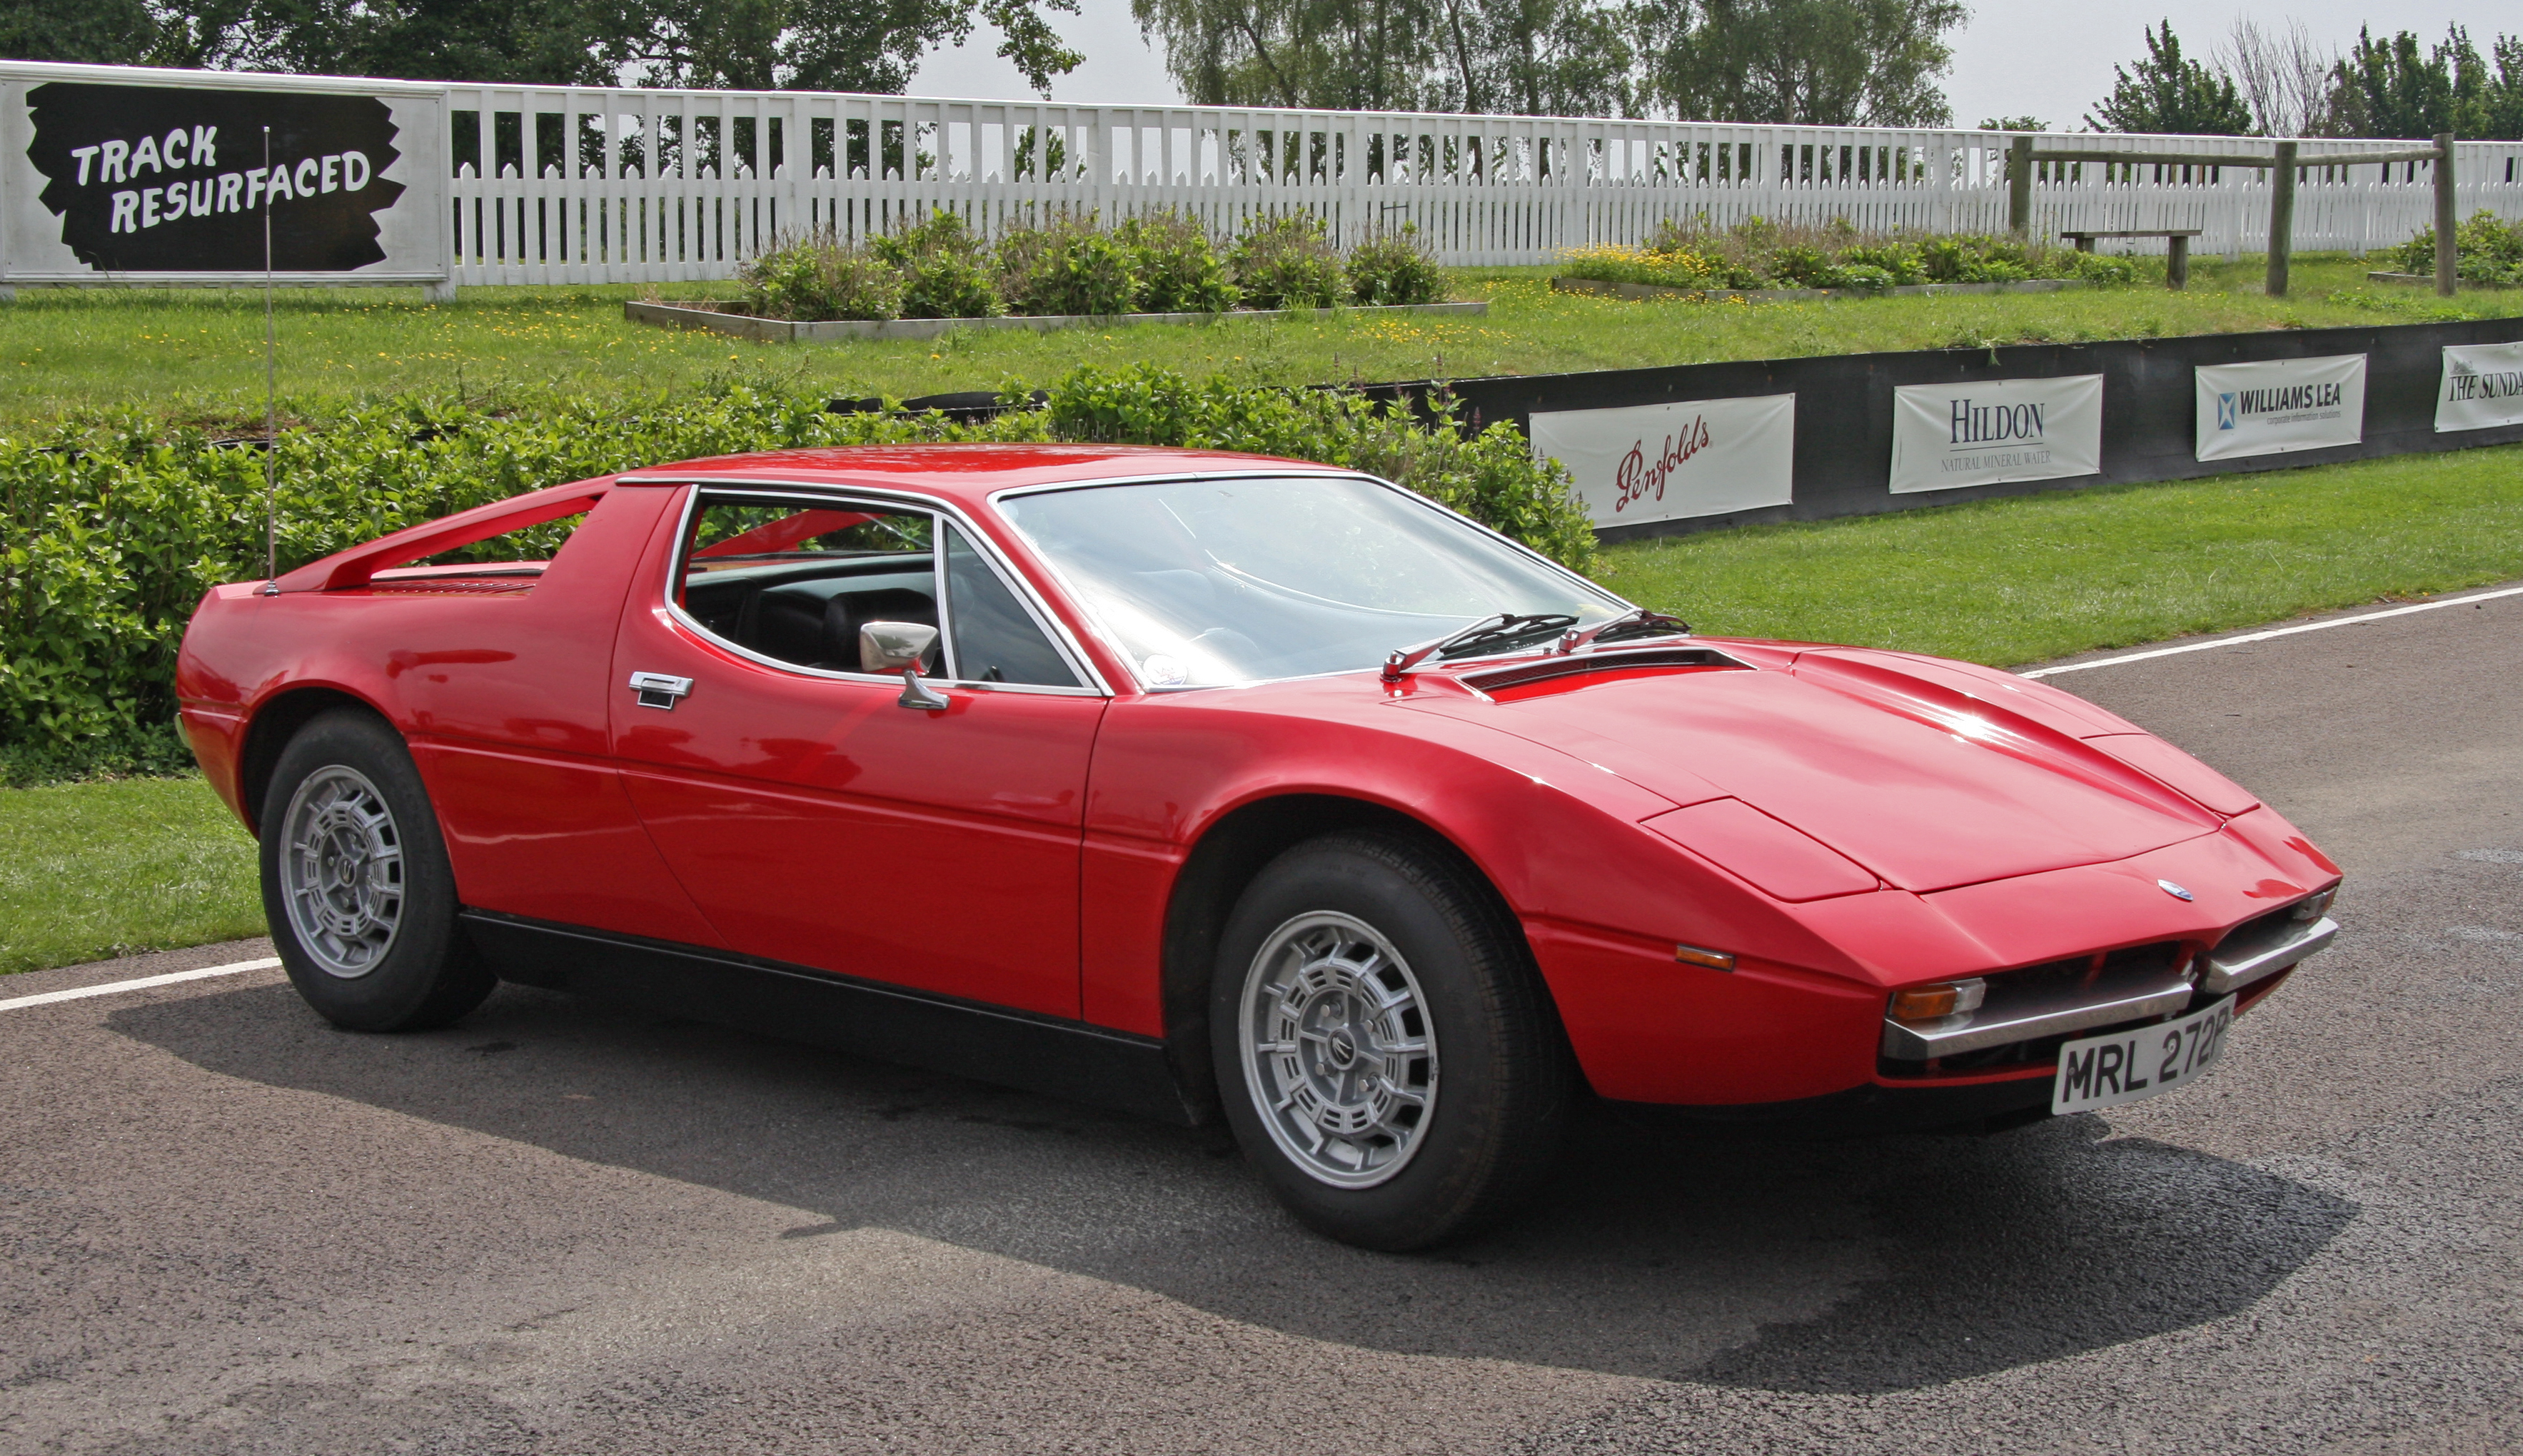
(2231, 970)
(1974, 1030)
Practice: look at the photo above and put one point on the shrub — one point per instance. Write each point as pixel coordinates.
(1394, 267)
(2486, 250)
(943, 275)
(818, 277)
(1070, 267)
(1178, 270)
(1760, 253)
(1286, 262)
(112, 528)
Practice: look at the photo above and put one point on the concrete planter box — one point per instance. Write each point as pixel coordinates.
(1605, 289)
(746, 326)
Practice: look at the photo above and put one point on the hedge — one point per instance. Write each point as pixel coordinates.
(117, 524)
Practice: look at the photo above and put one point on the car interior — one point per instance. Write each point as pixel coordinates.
(798, 585)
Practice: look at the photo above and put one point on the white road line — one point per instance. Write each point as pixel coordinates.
(2280, 631)
(144, 983)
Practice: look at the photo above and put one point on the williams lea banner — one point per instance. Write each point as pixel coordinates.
(2284, 404)
(170, 182)
(1988, 433)
(2483, 387)
(1671, 462)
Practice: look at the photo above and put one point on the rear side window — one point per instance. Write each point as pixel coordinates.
(996, 639)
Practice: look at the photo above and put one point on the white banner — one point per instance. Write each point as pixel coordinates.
(1946, 436)
(2483, 387)
(113, 174)
(2284, 404)
(1671, 462)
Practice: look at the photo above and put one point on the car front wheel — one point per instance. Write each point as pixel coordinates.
(1385, 1053)
(356, 883)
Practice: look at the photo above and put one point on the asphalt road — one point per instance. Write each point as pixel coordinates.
(558, 1229)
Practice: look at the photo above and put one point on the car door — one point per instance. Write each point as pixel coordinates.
(817, 816)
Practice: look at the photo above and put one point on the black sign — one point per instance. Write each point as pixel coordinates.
(173, 179)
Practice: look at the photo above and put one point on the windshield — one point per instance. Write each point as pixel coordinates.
(1233, 580)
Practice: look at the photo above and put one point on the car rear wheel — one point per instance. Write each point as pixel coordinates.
(356, 883)
(1384, 1049)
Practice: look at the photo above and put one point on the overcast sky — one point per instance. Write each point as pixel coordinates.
(2045, 59)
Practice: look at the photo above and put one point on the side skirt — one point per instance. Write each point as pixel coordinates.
(990, 1044)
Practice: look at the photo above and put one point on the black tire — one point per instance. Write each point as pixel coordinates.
(373, 944)
(1499, 1085)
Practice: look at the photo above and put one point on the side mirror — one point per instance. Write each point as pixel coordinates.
(896, 647)
(893, 646)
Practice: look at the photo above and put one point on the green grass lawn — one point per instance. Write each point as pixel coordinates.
(97, 869)
(2036, 577)
(88, 870)
(200, 351)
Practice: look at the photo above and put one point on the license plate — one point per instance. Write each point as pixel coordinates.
(2104, 1072)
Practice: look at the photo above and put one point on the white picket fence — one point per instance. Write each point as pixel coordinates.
(570, 185)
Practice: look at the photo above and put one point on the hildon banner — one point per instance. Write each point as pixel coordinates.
(113, 181)
(2282, 404)
(1671, 462)
(2482, 387)
(1989, 432)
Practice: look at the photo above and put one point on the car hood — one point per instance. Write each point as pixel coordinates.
(1901, 767)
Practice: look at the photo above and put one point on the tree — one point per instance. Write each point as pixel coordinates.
(1358, 55)
(1824, 63)
(2173, 95)
(847, 45)
(2488, 104)
(2284, 76)
(2388, 89)
(2014, 123)
(107, 32)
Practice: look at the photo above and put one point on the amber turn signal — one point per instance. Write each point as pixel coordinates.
(1713, 960)
(1944, 999)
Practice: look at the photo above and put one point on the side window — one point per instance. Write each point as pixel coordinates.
(996, 639)
(795, 582)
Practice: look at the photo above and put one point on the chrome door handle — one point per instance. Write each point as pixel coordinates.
(658, 689)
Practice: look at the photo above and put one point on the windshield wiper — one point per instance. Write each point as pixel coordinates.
(1489, 629)
(1639, 621)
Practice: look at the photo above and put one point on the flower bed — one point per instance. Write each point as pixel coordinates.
(718, 318)
(1763, 259)
(1069, 268)
(2486, 250)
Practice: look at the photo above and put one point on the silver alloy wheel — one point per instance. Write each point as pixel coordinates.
(341, 870)
(1338, 1051)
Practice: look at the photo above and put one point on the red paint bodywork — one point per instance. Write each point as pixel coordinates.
(1843, 820)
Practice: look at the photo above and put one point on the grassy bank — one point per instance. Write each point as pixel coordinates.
(2037, 577)
(97, 869)
(201, 350)
(93, 870)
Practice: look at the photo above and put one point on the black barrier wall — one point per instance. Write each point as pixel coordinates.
(1843, 435)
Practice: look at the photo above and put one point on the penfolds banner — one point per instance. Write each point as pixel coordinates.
(174, 180)
(1671, 462)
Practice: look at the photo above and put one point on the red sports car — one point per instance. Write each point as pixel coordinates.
(1216, 785)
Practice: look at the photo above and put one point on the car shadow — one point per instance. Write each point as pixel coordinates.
(1849, 1266)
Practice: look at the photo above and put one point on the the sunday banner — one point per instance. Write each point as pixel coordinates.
(2482, 387)
(2283, 405)
(1992, 430)
(1671, 462)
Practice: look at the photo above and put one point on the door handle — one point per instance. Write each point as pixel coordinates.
(659, 690)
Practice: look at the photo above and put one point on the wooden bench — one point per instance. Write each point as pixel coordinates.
(2177, 258)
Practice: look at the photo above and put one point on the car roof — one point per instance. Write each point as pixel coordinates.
(966, 474)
